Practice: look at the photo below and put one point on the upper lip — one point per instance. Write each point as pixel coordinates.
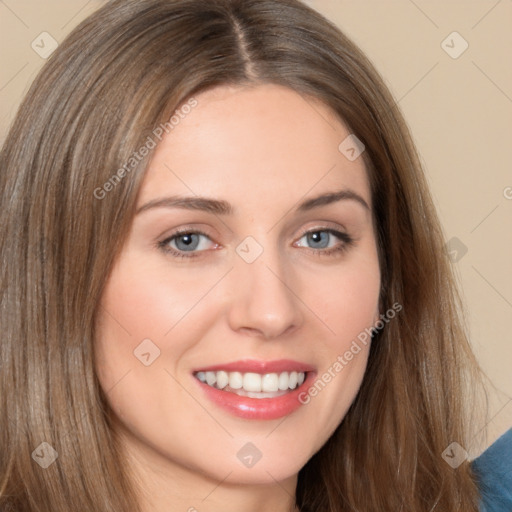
(258, 366)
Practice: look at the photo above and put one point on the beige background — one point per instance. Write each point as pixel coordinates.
(459, 110)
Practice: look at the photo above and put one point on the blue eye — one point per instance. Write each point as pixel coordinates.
(323, 241)
(187, 242)
(319, 239)
(183, 242)
(190, 244)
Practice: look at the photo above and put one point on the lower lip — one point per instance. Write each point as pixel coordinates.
(257, 408)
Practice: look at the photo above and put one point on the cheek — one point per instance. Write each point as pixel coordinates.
(352, 306)
(151, 316)
(140, 343)
(135, 314)
(346, 298)
(144, 304)
(141, 302)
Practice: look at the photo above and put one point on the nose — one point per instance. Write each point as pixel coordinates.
(264, 302)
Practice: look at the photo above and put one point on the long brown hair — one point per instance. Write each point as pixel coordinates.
(120, 74)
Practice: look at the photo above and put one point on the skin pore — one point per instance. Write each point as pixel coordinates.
(263, 150)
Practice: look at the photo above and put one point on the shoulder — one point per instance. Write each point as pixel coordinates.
(493, 470)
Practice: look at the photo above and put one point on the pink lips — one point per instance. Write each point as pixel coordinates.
(254, 366)
(258, 408)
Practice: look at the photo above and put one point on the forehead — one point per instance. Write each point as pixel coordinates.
(257, 145)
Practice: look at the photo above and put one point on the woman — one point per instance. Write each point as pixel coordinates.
(223, 279)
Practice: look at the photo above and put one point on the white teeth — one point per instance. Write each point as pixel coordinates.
(211, 378)
(270, 382)
(235, 380)
(292, 382)
(222, 379)
(252, 383)
(283, 381)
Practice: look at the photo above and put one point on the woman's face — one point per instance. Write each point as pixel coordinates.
(244, 269)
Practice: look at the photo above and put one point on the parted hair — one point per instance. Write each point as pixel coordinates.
(121, 73)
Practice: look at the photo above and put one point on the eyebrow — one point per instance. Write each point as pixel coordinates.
(221, 207)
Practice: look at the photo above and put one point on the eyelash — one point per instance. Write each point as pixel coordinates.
(347, 242)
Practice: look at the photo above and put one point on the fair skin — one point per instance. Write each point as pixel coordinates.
(263, 150)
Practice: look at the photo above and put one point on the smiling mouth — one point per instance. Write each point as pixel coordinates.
(252, 385)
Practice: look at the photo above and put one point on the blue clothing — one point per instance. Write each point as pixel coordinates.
(493, 470)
